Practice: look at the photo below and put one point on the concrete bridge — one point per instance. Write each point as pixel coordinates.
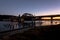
(50, 18)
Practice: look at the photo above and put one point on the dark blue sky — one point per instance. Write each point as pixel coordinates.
(37, 7)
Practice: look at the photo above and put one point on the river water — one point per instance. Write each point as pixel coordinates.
(14, 25)
(43, 23)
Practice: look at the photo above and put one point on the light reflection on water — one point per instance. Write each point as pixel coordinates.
(55, 22)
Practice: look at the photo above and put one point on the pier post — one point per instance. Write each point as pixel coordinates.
(19, 21)
(34, 21)
(40, 21)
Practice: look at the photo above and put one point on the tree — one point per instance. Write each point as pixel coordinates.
(27, 17)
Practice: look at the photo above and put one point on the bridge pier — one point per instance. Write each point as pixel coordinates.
(51, 20)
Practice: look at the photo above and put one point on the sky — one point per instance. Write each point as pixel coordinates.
(35, 7)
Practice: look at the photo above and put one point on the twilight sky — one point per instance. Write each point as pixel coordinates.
(35, 7)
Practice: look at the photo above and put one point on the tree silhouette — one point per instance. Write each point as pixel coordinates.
(27, 17)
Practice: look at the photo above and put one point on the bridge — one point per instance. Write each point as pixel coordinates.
(50, 18)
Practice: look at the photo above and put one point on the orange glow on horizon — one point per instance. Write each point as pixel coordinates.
(56, 17)
(50, 18)
(46, 18)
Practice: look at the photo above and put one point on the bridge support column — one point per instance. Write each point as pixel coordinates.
(51, 20)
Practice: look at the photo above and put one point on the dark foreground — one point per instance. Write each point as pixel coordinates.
(42, 33)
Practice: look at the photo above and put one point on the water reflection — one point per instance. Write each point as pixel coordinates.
(43, 23)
